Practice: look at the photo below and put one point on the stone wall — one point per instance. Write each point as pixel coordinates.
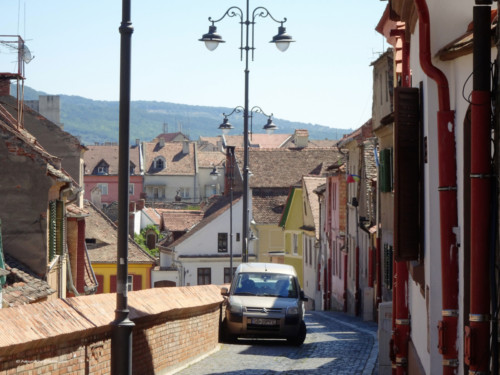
(172, 327)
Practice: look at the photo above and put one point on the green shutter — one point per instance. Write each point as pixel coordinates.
(3, 279)
(60, 225)
(52, 230)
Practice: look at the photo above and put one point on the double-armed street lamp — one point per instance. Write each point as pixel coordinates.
(212, 40)
(226, 127)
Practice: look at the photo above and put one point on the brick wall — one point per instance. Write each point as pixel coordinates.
(73, 336)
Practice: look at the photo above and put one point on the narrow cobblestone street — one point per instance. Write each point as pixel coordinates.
(336, 343)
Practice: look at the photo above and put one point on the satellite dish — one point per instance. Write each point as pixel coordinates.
(26, 54)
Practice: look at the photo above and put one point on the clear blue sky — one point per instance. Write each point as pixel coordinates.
(324, 78)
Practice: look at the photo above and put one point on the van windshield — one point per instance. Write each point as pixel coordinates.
(265, 284)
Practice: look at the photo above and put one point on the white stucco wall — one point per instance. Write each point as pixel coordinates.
(457, 71)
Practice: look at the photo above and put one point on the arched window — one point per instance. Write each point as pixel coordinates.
(159, 163)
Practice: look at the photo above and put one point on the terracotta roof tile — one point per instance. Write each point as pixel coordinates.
(312, 183)
(170, 137)
(210, 158)
(180, 220)
(282, 168)
(177, 162)
(23, 286)
(99, 228)
(153, 214)
(109, 155)
(268, 205)
(218, 207)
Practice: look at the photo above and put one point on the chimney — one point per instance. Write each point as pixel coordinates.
(301, 138)
(161, 142)
(185, 147)
(4, 86)
(140, 204)
(137, 141)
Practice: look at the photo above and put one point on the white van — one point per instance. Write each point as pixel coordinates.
(265, 300)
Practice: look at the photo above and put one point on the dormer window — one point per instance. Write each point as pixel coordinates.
(102, 170)
(159, 163)
(132, 169)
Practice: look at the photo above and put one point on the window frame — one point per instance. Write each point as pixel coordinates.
(103, 186)
(222, 243)
(204, 273)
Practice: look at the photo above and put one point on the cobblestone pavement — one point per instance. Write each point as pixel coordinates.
(336, 343)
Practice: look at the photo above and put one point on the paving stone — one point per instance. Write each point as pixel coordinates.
(336, 343)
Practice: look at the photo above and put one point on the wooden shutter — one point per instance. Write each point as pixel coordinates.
(112, 284)
(406, 174)
(385, 170)
(137, 282)
(100, 282)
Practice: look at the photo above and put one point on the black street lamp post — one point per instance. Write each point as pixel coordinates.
(121, 340)
(212, 40)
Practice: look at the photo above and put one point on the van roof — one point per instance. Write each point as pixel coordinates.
(266, 267)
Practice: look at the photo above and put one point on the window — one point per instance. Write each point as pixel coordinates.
(131, 189)
(102, 169)
(204, 276)
(132, 168)
(155, 192)
(237, 237)
(222, 242)
(334, 196)
(159, 163)
(184, 192)
(130, 282)
(227, 274)
(104, 188)
(295, 243)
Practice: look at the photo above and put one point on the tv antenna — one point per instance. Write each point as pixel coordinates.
(15, 43)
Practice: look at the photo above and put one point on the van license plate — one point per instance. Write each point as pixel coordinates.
(263, 322)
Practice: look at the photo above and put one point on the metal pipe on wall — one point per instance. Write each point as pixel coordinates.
(477, 340)
(448, 326)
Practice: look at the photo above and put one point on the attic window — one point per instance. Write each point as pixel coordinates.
(102, 169)
(159, 163)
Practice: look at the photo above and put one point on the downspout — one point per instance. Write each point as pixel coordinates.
(378, 262)
(448, 334)
(477, 334)
(401, 316)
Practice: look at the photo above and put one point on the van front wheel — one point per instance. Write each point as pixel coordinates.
(301, 335)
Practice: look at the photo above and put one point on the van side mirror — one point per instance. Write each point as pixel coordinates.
(224, 291)
(303, 297)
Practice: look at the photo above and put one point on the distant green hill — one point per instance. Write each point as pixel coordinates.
(97, 121)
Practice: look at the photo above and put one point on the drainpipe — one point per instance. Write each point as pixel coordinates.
(477, 334)
(447, 199)
(401, 316)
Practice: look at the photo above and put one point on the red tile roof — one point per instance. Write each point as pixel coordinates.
(23, 286)
(109, 154)
(180, 220)
(282, 168)
(100, 228)
(220, 205)
(177, 162)
(268, 205)
(210, 158)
